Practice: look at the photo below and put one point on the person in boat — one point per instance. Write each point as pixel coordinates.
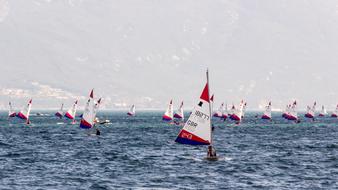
(211, 152)
(98, 132)
(177, 122)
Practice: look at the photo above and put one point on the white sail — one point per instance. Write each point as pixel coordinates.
(96, 107)
(293, 115)
(70, 114)
(180, 113)
(267, 112)
(197, 130)
(225, 111)
(323, 112)
(169, 114)
(60, 112)
(132, 110)
(238, 114)
(220, 111)
(232, 110)
(11, 112)
(89, 114)
(335, 112)
(310, 111)
(25, 112)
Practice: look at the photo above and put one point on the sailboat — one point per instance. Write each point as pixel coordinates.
(286, 111)
(335, 112)
(323, 112)
(237, 114)
(243, 110)
(169, 114)
(267, 112)
(131, 111)
(198, 128)
(179, 114)
(292, 115)
(70, 114)
(11, 112)
(219, 112)
(310, 111)
(225, 112)
(232, 110)
(89, 114)
(59, 114)
(24, 113)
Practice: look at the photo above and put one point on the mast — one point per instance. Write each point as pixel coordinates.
(209, 107)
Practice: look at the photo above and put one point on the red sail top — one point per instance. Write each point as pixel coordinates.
(205, 94)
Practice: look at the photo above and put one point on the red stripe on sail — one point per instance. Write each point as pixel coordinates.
(205, 94)
(187, 135)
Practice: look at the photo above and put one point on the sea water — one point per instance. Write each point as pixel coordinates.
(140, 153)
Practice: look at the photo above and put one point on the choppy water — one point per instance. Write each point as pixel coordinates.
(140, 153)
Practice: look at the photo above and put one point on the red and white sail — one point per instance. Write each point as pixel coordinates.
(323, 112)
(96, 108)
(11, 112)
(197, 130)
(293, 115)
(310, 111)
(335, 112)
(70, 114)
(179, 114)
(267, 112)
(225, 112)
(24, 113)
(132, 111)
(286, 111)
(59, 113)
(238, 114)
(219, 112)
(232, 110)
(89, 114)
(169, 113)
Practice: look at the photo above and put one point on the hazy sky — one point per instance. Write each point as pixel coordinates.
(146, 52)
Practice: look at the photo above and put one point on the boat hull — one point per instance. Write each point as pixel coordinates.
(308, 115)
(235, 117)
(12, 115)
(266, 117)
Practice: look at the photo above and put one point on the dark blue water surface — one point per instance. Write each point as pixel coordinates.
(140, 153)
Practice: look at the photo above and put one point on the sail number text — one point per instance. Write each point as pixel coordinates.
(202, 115)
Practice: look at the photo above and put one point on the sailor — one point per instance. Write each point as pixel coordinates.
(98, 132)
(211, 152)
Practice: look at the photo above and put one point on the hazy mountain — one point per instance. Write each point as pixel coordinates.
(146, 52)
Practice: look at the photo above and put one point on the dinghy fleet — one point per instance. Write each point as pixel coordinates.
(197, 129)
(88, 118)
